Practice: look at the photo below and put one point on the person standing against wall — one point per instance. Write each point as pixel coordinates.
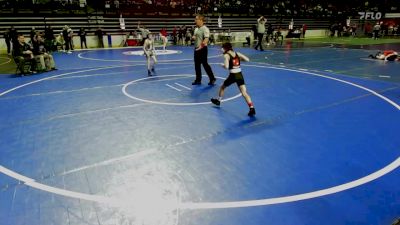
(32, 34)
(99, 34)
(71, 38)
(49, 39)
(376, 30)
(82, 35)
(7, 38)
(67, 39)
(304, 29)
(14, 37)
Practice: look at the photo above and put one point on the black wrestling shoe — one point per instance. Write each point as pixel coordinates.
(152, 70)
(148, 73)
(196, 82)
(215, 101)
(212, 82)
(252, 112)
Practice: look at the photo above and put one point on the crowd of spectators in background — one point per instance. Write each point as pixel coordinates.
(299, 8)
(35, 5)
(373, 30)
(314, 8)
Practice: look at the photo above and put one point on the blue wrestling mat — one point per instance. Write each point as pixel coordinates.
(99, 142)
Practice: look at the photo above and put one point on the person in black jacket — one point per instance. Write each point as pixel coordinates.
(32, 34)
(14, 37)
(270, 34)
(99, 33)
(49, 39)
(67, 39)
(82, 35)
(7, 38)
(22, 52)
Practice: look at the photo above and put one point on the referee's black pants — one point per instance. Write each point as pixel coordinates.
(200, 57)
(259, 43)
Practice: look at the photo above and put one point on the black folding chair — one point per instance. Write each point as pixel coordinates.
(23, 66)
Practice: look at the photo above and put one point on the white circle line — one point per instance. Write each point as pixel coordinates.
(158, 52)
(60, 75)
(215, 205)
(72, 194)
(130, 61)
(293, 198)
(170, 103)
(335, 79)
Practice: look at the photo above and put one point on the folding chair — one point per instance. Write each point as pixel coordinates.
(23, 66)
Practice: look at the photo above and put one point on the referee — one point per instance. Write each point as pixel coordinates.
(201, 37)
(260, 32)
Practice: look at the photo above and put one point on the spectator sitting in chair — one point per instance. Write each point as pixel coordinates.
(23, 53)
(41, 54)
(294, 33)
(297, 33)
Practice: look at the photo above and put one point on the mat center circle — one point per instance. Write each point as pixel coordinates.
(179, 91)
(158, 52)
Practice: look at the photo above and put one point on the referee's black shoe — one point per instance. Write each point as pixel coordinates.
(212, 82)
(196, 82)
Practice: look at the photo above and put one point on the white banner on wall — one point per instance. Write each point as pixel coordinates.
(392, 15)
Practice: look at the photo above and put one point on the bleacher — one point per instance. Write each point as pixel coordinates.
(111, 25)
